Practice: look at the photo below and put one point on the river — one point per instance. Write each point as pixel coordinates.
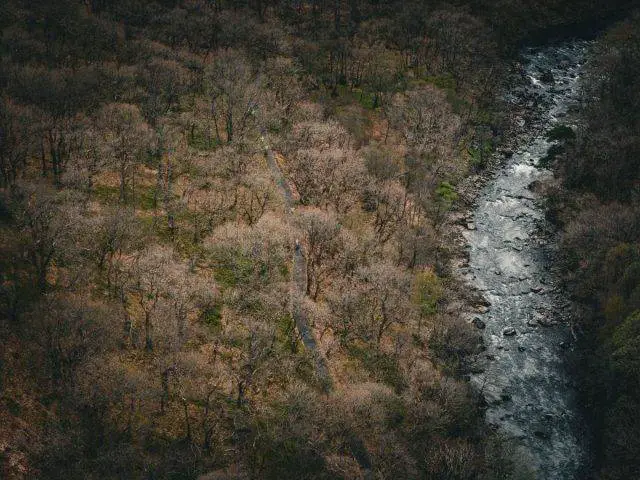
(530, 396)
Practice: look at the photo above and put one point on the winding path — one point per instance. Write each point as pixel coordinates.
(299, 277)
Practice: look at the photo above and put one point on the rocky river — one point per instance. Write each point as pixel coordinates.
(524, 320)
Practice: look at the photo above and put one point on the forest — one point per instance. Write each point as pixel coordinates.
(596, 206)
(224, 240)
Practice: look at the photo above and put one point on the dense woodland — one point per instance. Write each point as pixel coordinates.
(597, 207)
(187, 187)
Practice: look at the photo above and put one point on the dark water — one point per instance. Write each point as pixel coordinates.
(531, 397)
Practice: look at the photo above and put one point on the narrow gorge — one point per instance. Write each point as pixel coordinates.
(525, 321)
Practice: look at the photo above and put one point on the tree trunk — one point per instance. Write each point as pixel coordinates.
(187, 421)
(148, 333)
(240, 399)
(43, 158)
(229, 125)
(164, 398)
(123, 179)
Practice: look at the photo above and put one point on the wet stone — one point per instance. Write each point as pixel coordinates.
(509, 332)
(484, 302)
(542, 431)
(524, 290)
(545, 322)
(478, 323)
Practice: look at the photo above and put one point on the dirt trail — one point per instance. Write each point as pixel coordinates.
(299, 277)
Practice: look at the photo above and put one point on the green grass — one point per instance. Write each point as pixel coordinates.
(234, 271)
(459, 105)
(349, 95)
(445, 82)
(198, 140)
(13, 407)
(446, 192)
(480, 154)
(106, 194)
(345, 96)
(383, 368)
(212, 318)
(144, 196)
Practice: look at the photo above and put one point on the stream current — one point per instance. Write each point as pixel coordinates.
(531, 399)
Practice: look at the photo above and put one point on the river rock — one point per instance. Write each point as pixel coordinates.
(478, 323)
(509, 332)
(484, 302)
(471, 226)
(534, 186)
(542, 431)
(545, 321)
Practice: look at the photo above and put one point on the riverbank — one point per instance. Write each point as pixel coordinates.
(522, 314)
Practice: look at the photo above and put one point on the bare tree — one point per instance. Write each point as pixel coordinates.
(328, 248)
(187, 295)
(150, 271)
(126, 139)
(114, 233)
(47, 223)
(328, 177)
(426, 121)
(233, 90)
(372, 302)
(254, 355)
(16, 129)
(391, 203)
(70, 330)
